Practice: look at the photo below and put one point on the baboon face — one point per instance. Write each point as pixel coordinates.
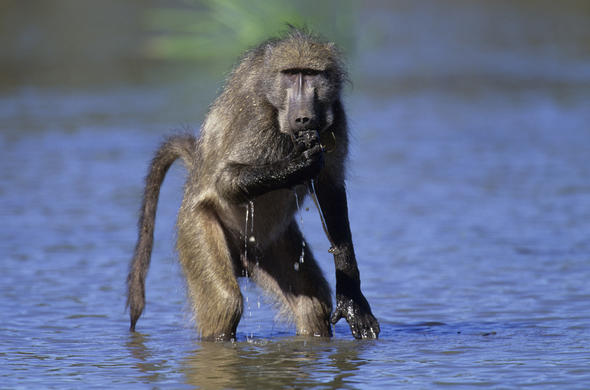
(306, 104)
(303, 83)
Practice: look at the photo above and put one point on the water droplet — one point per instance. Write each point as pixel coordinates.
(249, 229)
(302, 255)
(252, 212)
(246, 233)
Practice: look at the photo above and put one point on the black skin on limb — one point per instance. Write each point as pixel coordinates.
(351, 304)
(350, 301)
(299, 165)
(263, 139)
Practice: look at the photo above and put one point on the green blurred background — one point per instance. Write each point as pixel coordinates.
(76, 42)
(171, 57)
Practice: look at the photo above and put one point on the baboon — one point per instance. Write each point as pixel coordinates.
(277, 130)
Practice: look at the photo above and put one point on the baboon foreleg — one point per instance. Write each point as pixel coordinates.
(351, 304)
(210, 273)
(299, 285)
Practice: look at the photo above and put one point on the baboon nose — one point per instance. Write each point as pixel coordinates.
(301, 115)
(303, 122)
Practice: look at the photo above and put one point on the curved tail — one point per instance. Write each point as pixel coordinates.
(183, 146)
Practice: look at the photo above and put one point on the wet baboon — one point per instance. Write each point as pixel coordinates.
(277, 130)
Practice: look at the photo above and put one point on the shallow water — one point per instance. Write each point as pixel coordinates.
(472, 237)
(470, 210)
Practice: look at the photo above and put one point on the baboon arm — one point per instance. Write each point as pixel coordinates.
(240, 182)
(350, 301)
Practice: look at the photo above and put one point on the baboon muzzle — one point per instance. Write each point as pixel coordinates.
(302, 112)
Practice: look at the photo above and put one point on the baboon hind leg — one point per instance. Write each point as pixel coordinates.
(299, 285)
(210, 273)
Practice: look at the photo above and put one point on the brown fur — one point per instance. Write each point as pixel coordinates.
(246, 154)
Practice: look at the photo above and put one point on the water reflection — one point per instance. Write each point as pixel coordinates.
(291, 363)
(150, 370)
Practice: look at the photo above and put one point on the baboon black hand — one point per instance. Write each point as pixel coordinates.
(306, 163)
(357, 312)
(307, 158)
(307, 138)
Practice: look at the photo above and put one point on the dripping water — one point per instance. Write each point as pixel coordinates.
(317, 205)
(252, 239)
(249, 241)
(302, 255)
(249, 238)
(246, 239)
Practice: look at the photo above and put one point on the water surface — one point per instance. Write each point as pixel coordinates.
(469, 203)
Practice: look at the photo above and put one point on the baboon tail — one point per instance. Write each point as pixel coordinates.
(178, 146)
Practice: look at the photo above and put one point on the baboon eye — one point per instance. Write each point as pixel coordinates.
(311, 72)
(304, 71)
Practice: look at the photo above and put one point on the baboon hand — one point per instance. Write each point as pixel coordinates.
(308, 154)
(357, 312)
(307, 138)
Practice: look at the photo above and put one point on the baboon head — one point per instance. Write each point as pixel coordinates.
(303, 79)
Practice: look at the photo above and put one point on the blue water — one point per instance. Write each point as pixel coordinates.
(472, 237)
(469, 198)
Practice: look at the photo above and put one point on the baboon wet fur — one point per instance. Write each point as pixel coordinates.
(277, 126)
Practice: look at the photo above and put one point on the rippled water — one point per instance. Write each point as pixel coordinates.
(470, 210)
(473, 238)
